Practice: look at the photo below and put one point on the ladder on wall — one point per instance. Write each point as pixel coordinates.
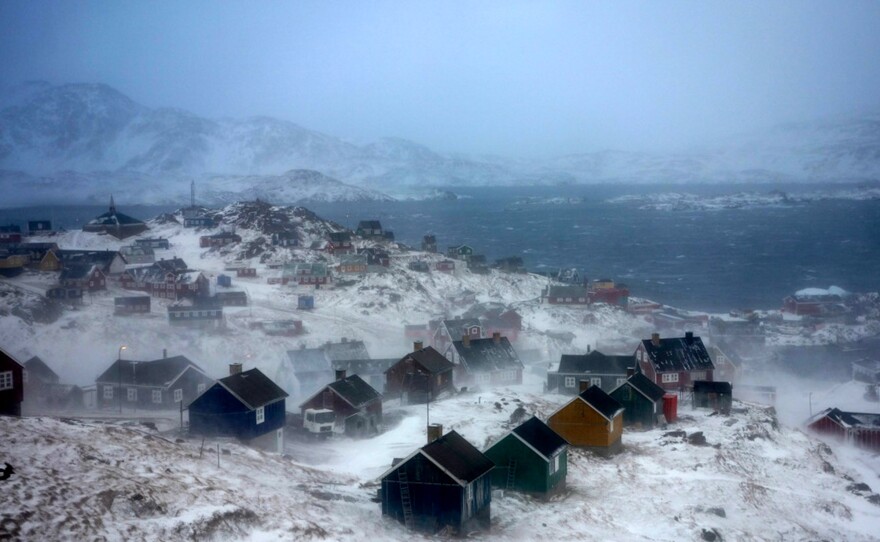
(405, 500)
(511, 473)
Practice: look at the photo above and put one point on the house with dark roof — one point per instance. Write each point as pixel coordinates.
(313, 367)
(592, 420)
(369, 228)
(371, 370)
(116, 224)
(153, 242)
(642, 400)
(169, 279)
(220, 239)
(674, 363)
(455, 329)
(43, 387)
(132, 304)
(565, 295)
(485, 362)
(10, 234)
(510, 264)
(419, 376)
(356, 404)
(460, 252)
(156, 384)
(339, 242)
(306, 274)
(861, 429)
(136, 254)
(445, 484)
(603, 370)
(353, 263)
(11, 385)
(84, 276)
(531, 458)
(715, 395)
(245, 405)
(429, 243)
(110, 262)
(202, 313)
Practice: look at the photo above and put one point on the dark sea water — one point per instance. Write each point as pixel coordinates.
(709, 260)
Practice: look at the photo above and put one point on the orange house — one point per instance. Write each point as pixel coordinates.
(592, 420)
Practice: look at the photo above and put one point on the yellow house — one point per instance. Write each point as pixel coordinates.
(592, 420)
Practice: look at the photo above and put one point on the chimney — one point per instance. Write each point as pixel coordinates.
(466, 340)
(496, 337)
(340, 374)
(630, 371)
(689, 337)
(164, 353)
(418, 345)
(435, 431)
(655, 339)
(583, 385)
(234, 368)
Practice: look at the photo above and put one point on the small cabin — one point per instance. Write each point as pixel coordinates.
(858, 428)
(86, 276)
(245, 405)
(246, 272)
(154, 243)
(199, 314)
(565, 295)
(160, 384)
(369, 228)
(418, 265)
(305, 302)
(224, 280)
(217, 240)
(39, 227)
(460, 252)
(593, 420)
(231, 298)
(531, 458)
(339, 243)
(485, 362)
(70, 294)
(715, 395)
(136, 304)
(285, 239)
(11, 385)
(674, 363)
(641, 399)
(356, 404)
(445, 266)
(446, 484)
(199, 221)
(599, 369)
(419, 376)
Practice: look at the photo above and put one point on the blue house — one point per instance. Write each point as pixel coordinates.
(224, 280)
(245, 405)
(305, 302)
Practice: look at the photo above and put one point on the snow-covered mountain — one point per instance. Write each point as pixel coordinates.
(89, 128)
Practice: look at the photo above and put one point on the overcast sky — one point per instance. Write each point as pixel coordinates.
(510, 78)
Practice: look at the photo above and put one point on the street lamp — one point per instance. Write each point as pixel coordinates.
(119, 374)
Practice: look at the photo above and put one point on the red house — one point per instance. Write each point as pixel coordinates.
(859, 428)
(358, 407)
(809, 304)
(10, 234)
(340, 243)
(86, 276)
(673, 364)
(219, 239)
(565, 295)
(445, 266)
(11, 385)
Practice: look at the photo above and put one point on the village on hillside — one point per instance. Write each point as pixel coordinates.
(450, 327)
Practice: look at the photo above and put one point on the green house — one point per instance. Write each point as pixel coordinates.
(642, 399)
(531, 458)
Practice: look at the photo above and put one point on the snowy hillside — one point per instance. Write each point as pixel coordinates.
(94, 130)
(752, 479)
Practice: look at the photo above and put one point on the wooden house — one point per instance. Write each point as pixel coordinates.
(642, 400)
(369, 228)
(39, 227)
(445, 266)
(727, 367)
(592, 420)
(455, 329)
(218, 240)
(312, 367)
(418, 265)
(41, 256)
(231, 298)
(69, 294)
(247, 272)
(10, 234)
(196, 313)
(810, 304)
(356, 405)
(154, 243)
(419, 376)
(565, 295)
(715, 395)
(485, 362)
(674, 363)
(376, 257)
(305, 302)
(446, 484)
(110, 262)
(168, 279)
(306, 274)
(460, 252)
(43, 387)
(199, 221)
(511, 264)
(353, 263)
(11, 385)
(617, 295)
(339, 242)
(858, 428)
(507, 322)
(135, 254)
(11, 265)
(135, 304)
(224, 280)
(246, 405)
(371, 370)
(85, 276)
(605, 371)
(283, 328)
(158, 384)
(531, 458)
(429, 243)
(115, 224)
(285, 239)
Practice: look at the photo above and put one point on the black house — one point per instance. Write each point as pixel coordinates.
(715, 395)
(157, 384)
(11, 385)
(135, 304)
(605, 371)
(244, 405)
(444, 484)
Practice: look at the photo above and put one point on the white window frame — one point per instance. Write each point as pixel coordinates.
(157, 396)
(108, 392)
(669, 377)
(261, 415)
(178, 395)
(131, 394)
(596, 381)
(570, 381)
(7, 380)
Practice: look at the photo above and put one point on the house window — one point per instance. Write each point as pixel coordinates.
(132, 394)
(570, 381)
(178, 395)
(596, 381)
(699, 375)
(568, 300)
(559, 300)
(108, 392)
(157, 396)
(261, 415)
(6, 380)
(554, 464)
(200, 388)
(669, 377)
